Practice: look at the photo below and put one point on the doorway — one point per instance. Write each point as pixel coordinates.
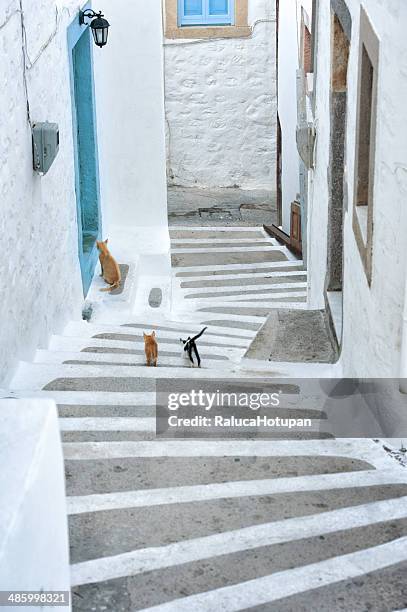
(340, 40)
(85, 149)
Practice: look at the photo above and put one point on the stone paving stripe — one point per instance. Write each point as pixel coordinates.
(297, 580)
(223, 283)
(190, 329)
(365, 450)
(224, 342)
(205, 518)
(148, 559)
(222, 258)
(179, 495)
(107, 424)
(115, 475)
(100, 411)
(246, 267)
(123, 351)
(243, 271)
(206, 245)
(261, 290)
(153, 588)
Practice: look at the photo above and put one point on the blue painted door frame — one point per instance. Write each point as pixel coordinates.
(85, 147)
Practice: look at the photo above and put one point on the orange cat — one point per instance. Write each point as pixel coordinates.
(110, 268)
(151, 349)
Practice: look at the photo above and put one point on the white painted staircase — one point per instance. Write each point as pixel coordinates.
(310, 523)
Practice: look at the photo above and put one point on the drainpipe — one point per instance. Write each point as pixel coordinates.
(403, 352)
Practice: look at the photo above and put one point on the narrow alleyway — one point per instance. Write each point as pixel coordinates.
(288, 524)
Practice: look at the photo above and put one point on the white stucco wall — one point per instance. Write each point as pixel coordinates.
(34, 551)
(287, 106)
(39, 268)
(130, 104)
(372, 316)
(220, 98)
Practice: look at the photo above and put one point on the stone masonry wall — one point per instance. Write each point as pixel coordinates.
(221, 106)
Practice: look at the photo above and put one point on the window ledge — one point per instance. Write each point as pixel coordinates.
(225, 31)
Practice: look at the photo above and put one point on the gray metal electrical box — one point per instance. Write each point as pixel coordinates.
(45, 145)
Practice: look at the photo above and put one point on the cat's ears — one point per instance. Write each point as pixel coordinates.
(107, 240)
(146, 336)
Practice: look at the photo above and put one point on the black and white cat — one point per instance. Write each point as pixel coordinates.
(190, 346)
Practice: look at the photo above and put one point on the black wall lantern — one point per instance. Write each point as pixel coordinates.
(98, 25)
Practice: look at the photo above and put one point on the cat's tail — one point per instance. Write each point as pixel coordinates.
(200, 334)
(115, 285)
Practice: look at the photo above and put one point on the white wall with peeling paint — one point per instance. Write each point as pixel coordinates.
(220, 100)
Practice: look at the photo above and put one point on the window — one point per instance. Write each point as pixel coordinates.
(206, 19)
(365, 142)
(205, 12)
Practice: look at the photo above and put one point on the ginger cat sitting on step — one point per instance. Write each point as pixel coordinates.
(151, 349)
(110, 269)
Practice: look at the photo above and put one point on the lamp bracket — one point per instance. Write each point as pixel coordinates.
(88, 14)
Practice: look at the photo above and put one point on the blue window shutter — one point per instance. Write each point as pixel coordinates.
(206, 12)
(220, 12)
(191, 12)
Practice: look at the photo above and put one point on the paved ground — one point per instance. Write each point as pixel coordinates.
(231, 207)
(303, 522)
(289, 335)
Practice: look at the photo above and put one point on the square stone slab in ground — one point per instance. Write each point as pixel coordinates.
(294, 336)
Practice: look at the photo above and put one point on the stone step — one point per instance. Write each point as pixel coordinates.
(357, 506)
(197, 233)
(230, 489)
(247, 296)
(245, 290)
(110, 332)
(184, 311)
(107, 436)
(247, 308)
(219, 244)
(263, 578)
(212, 330)
(116, 399)
(237, 271)
(117, 424)
(75, 344)
(120, 378)
(179, 327)
(235, 324)
(109, 476)
(266, 281)
(105, 411)
(243, 248)
(230, 256)
(223, 528)
(65, 357)
(358, 449)
(234, 268)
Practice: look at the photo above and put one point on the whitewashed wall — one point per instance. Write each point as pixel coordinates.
(130, 105)
(34, 550)
(39, 268)
(287, 106)
(220, 98)
(372, 317)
